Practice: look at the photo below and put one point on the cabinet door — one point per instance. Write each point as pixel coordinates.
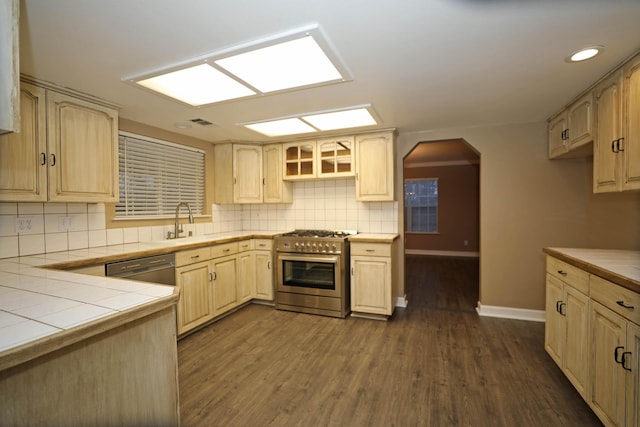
(299, 160)
(607, 386)
(264, 275)
(224, 284)
(555, 326)
(276, 190)
(194, 305)
(23, 156)
(246, 276)
(631, 145)
(247, 172)
(375, 167)
(632, 362)
(83, 150)
(557, 128)
(608, 117)
(575, 358)
(335, 157)
(371, 285)
(580, 121)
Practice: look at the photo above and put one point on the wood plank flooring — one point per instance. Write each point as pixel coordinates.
(435, 363)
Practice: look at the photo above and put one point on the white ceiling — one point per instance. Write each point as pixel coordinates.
(422, 64)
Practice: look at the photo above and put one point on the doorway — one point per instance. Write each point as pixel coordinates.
(441, 182)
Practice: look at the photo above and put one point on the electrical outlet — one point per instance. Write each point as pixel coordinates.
(23, 224)
(466, 243)
(64, 223)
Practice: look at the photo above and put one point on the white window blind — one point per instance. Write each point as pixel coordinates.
(156, 175)
(421, 205)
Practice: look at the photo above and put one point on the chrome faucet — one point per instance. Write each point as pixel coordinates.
(178, 227)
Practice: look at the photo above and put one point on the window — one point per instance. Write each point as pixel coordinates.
(421, 205)
(156, 175)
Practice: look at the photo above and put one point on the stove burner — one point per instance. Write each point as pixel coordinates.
(317, 233)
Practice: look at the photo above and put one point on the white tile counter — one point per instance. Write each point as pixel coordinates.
(40, 304)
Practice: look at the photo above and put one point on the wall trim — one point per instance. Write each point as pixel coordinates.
(463, 254)
(510, 313)
(402, 301)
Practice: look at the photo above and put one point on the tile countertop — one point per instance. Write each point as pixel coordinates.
(618, 266)
(373, 237)
(43, 309)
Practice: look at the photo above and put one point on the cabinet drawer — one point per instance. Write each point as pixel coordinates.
(245, 245)
(192, 255)
(569, 274)
(371, 249)
(263, 244)
(621, 300)
(225, 249)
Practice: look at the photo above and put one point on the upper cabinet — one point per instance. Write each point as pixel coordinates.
(375, 157)
(571, 131)
(335, 157)
(67, 150)
(246, 173)
(9, 67)
(299, 160)
(616, 154)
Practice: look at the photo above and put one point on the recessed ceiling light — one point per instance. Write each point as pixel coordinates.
(198, 85)
(584, 54)
(288, 61)
(292, 126)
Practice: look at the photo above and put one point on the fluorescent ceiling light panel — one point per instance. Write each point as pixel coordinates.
(341, 119)
(287, 65)
(197, 85)
(281, 127)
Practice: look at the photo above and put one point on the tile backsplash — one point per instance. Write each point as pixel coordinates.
(36, 228)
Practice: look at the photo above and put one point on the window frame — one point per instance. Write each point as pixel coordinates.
(408, 219)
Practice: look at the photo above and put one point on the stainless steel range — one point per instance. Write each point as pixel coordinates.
(312, 269)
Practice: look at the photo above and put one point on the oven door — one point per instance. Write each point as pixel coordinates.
(309, 274)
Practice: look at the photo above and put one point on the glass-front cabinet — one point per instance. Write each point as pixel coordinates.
(335, 157)
(299, 160)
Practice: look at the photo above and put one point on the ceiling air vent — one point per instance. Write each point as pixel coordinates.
(202, 122)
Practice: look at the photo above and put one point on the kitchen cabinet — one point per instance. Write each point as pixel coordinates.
(335, 157)
(567, 320)
(193, 278)
(264, 269)
(67, 152)
(616, 161)
(615, 316)
(571, 131)
(246, 271)
(299, 160)
(276, 189)
(237, 173)
(225, 279)
(372, 272)
(375, 172)
(9, 67)
(23, 169)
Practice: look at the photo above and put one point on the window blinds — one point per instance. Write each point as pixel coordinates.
(156, 175)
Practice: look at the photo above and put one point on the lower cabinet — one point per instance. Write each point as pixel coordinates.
(214, 280)
(372, 278)
(592, 332)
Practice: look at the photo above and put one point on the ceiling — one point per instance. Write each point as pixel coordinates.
(422, 64)
(449, 152)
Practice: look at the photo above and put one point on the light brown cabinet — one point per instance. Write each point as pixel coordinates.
(263, 269)
(335, 157)
(276, 189)
(67, 152)
(567, 320)
(616, 160)
(193, 278)
(372, 272)
(9, 67)
(375, 172)
(571, 131)
(299, 160)
(246, 271)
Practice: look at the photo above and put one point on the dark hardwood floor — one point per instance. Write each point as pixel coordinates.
(435, 363)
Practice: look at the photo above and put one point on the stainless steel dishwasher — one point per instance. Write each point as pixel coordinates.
(155, 269)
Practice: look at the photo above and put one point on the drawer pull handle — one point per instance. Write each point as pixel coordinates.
(564, 273)
(622, 304)
(195, 256)
(616, 357)
(370, 250)
(624, 360)
(213, 276)
(226, 250)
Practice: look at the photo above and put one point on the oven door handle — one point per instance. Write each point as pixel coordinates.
(309, 258)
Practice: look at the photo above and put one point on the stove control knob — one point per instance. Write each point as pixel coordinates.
(327, 247)
(334, 247)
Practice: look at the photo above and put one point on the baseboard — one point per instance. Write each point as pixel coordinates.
(402, 301)
(510, 313)
(460, 254)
